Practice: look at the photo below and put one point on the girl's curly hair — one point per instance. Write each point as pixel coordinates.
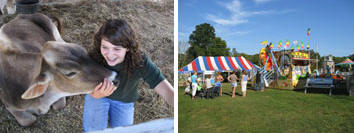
(119, 33)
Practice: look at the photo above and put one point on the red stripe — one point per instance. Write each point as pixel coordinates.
(242, 63)
(231, 62)
(249, 63)
(220, 62)
(194, 66)
(209, 63)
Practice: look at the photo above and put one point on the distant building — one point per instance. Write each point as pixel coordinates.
(328, 64)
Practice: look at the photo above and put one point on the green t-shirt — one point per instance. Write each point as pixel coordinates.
(127, 90)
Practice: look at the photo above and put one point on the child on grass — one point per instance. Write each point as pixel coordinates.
(244, 79)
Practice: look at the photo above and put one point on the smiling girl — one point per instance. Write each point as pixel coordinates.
(116, 47)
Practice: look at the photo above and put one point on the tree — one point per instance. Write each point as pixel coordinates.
(254, 59)
(233, 52)
(200, 40)
(219, 48)
(182, 59)
(338, 59)
(316, 55)
(203, 42)
(351, 57)
(182, 46)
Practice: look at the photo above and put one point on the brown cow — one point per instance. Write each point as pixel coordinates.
(38, 69)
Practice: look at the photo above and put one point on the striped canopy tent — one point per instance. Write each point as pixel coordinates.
(218, 63)
(346, 62)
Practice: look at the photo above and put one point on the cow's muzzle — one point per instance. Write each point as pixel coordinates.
(114, 78)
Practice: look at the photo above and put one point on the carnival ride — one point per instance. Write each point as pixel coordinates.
(290, 69)
(284, 69)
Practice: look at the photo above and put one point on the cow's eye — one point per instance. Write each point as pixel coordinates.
(70, 74)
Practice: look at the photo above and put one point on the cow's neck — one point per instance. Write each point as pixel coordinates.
(52, 96)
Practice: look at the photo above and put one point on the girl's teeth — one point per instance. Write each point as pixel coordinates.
(111, 59)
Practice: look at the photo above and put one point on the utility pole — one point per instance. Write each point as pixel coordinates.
(317, 57)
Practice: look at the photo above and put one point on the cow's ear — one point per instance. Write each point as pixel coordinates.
(38, 88)
(48, 53)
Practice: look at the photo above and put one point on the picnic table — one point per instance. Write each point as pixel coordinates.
(320, 83)
(329, 83)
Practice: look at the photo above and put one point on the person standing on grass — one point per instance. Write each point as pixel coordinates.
(212, 81)
(187, 89)
(244, 79)
(188, 84)
(217, 88)
(194, 84)
(262, 82)
(219, 78)
(233, 80)
(208, 82)
(208, 85)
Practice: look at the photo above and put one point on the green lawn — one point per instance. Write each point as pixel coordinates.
(269, 111)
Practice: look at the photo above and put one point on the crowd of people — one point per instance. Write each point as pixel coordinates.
(212, 85)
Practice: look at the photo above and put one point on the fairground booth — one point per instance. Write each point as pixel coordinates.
(283, 69)
(209, 65)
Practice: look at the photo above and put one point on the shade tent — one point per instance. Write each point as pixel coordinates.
(218, 63)
(346, 62)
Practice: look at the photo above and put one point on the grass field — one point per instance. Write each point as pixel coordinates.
(270, 111)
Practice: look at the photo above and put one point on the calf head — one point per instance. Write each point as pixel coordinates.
(37, 67)
(67, 69)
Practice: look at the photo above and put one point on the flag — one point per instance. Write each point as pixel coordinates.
(271, 45)
(292, 47)
(287, 43)
(280, 44)
(302, 45)
(295, 42)
(298, 47)
(308, 45)
(308, 31)
(264, 42)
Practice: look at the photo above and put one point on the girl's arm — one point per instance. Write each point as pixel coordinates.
(165, 90)
(228, 78)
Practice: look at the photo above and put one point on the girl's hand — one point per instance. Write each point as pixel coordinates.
(103, 89)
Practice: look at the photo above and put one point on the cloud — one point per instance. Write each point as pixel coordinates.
(230, 32)
(234, 20)
(242, 32)
(261, 1)
(238, 14)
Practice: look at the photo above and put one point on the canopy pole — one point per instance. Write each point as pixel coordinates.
(203, 77)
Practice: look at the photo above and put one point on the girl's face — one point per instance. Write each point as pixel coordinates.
(112, 54)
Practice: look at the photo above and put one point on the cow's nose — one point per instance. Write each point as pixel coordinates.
(114, 79)
(113, 76)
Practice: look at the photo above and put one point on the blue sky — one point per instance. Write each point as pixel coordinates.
(243, 24)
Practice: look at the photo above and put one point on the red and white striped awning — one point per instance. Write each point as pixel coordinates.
(218, 63)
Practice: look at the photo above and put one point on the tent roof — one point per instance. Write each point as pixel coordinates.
(346, 61)
(218, 63)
